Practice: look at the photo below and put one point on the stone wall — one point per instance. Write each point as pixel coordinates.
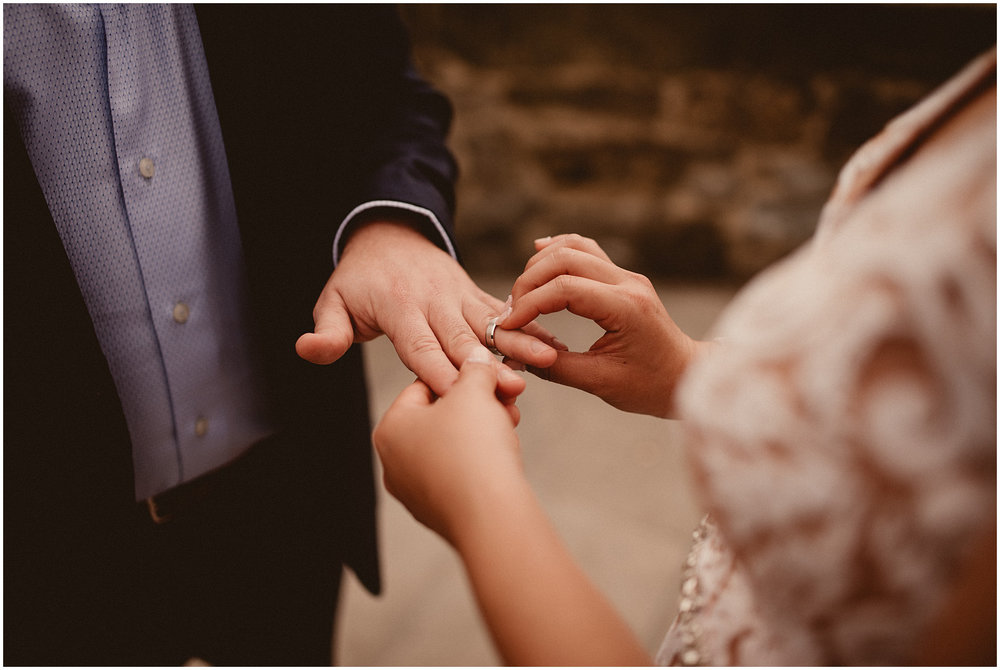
(694, 142)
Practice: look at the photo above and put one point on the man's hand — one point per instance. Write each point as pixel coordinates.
(393, 280)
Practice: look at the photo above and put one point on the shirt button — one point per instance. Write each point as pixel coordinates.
(181, 312)
(146, 167)
(201, 426)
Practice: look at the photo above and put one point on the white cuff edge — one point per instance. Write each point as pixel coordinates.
(399, 205)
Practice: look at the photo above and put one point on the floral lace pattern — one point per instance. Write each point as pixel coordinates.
(844, 438)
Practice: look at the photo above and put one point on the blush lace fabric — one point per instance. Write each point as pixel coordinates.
(843, 435)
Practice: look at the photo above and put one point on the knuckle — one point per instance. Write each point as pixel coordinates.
(643, 281)
(422, 343)
(561, 253)
(563, 283)
(414, 344)
(456, 341)
(563, 258)
(587, 244)
(640, 290)
(638, 301)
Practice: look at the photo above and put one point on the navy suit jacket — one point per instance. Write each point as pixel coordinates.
(320, 111)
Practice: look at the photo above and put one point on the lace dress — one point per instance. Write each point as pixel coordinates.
(843, 437)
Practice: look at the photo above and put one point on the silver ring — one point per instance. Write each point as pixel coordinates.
(490, 342)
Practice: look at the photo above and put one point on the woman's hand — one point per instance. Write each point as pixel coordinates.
(455, 463)
(636, 364)
(445, 457)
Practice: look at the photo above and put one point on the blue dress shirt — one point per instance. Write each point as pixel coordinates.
(118, 117)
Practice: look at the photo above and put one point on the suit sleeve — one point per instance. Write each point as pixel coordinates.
(405, 166)
(326, 120)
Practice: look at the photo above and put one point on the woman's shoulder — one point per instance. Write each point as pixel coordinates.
(844, 436)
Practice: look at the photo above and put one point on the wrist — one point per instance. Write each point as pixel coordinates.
(379, 230)
(372, 219)
(502, 507)
(688, 352)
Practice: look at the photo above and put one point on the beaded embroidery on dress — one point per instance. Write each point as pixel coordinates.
(844, 437)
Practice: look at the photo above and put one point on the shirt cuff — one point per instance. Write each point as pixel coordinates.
(414, 209)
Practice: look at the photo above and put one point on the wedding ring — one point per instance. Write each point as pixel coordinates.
(490, 343)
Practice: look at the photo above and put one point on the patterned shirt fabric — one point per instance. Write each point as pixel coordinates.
(117, 114)
(844, 437)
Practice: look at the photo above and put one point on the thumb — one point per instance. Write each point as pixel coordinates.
(478, 371)
(332, 334)
(417, 394)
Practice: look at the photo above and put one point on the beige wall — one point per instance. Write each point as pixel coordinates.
(692, 141)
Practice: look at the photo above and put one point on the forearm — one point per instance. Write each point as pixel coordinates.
(540, 607)
(403, 156)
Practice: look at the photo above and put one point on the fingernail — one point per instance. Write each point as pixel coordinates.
(515, 365)
(559, 345)
(543, 240)
(507, 375)
(507, 309)
(480, 355)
